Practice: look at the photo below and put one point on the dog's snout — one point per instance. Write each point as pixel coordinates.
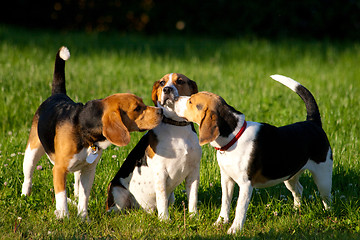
(167, 90)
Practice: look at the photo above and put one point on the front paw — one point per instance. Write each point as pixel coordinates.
(221, 220)
(60, 214)
(233, 229)
(164, 217)
(193, 214)
(84, 216)
(26, 189)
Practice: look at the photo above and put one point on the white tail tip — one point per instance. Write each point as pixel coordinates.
(64, 53)
(290, 83)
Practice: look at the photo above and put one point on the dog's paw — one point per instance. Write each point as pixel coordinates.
(60, 214)
(70, 201)
(84, 216)
(26, 189)
(164, 217)
(221, 220)
(232, 230)
(193, 215)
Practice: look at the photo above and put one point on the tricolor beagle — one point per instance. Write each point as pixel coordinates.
(73, 135)
(257, 155)
(162, 159)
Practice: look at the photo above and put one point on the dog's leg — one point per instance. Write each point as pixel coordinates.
(295, 188)
(322, 174)
(86, 181)
(241, 207)
(171, 198)
(162, 197)
(192, 186)
(227, 190)
(33, 153)
(76, 184)
(59, 178)
(76, 189)
(120, 198)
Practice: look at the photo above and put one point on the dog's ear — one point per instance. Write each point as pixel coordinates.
(114, 129)
(154, 95)
(194, 87)
(209, 129)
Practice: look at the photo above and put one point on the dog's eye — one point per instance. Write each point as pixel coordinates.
(162, 83)
(190, 102)
(138, 109)
(180, 81)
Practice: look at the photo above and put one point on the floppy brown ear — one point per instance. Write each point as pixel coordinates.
(154, 96)
(194, 87)
(114, 129)
(209, 129)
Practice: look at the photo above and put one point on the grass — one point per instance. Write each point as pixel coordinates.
(236, 69)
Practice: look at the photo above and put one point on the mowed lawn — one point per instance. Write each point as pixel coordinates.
(236, 69)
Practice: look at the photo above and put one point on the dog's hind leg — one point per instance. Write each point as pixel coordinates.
(322, 174)
(295, 188)
(33, 153)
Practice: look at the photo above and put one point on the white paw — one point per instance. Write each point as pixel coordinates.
(193, 214)
(84, 216)
(163, 217)
(60, 214)
(70, 201)
(232, 230)
(26, 189)
(221, 220)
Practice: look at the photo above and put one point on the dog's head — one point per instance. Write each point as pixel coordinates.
(168, 89)
(124, 113)
(210, 111)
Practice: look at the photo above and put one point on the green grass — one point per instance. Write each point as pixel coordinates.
(236, 69)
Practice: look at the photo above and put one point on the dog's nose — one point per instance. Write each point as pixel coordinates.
(167, 90)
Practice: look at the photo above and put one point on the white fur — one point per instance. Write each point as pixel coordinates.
(61, 205)
(290, 83)
(31, 158)
(84, 178)
(180, 105)
(177, 158)
(64, 53)
(234, 165)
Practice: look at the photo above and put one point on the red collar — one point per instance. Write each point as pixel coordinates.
(238, 135)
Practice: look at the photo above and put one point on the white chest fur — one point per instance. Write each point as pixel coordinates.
(178, 153)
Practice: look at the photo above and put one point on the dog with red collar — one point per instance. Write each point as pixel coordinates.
(73, 135)
(164, 157)
(256, 155)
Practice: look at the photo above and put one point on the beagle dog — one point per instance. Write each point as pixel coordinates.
(255, 155)
(163, 158)
(73, 135)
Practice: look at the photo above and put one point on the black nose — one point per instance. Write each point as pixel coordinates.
(167, 90)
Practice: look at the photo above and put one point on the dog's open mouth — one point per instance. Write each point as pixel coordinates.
(169, 102)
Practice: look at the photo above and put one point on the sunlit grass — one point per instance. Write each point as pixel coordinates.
(236, 69)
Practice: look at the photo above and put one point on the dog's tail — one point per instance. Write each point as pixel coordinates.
(58, 84)
(312, 109)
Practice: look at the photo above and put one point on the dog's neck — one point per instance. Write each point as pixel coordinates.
(222, 141)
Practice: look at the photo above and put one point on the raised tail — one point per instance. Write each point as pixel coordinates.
(58, 85)
(312, 109)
